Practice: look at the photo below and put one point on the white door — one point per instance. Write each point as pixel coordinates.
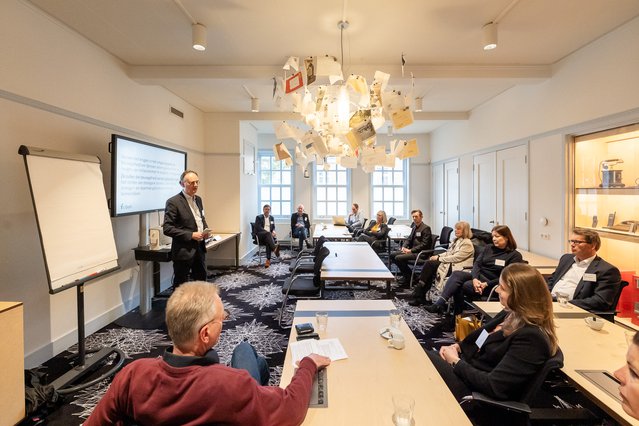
(512, 192)
(484, 186)
(451, 193)
(438, 198)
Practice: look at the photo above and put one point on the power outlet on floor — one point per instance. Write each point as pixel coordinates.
(545, 236)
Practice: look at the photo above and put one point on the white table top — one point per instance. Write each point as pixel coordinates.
(560, 311)
(360, 388)
(353, 261)
(587, 349)
(399, 232)
(331, 232)
(539, 261)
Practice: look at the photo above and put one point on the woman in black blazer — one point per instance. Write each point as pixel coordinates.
(504, 355)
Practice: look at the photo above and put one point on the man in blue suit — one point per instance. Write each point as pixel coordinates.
(185, 223)
(589, 281)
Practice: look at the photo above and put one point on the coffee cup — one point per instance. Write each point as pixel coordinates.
(594, 323)
(396, 340)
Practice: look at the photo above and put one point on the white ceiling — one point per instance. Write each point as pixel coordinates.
(249, 41)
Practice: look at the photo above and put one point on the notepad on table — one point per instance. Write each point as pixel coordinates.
(331, 348)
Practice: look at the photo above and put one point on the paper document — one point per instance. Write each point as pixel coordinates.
(331, 348)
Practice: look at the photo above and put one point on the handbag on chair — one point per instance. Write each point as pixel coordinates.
(464, 325)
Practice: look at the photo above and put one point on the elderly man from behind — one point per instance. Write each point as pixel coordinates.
(188, 385)
(585, 278)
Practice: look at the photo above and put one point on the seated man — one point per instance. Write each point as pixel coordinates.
(589, 281)
(353, 221)
(188, 385)
(419, 239)
(301, 227)
(265, 233)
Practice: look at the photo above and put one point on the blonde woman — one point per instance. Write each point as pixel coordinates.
(438, 267)
(504, 355)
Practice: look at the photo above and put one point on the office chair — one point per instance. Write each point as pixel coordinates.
(256, 241)
(522, 406)
(610, 314)
(304, 286)
(305, 259)
(391, 220)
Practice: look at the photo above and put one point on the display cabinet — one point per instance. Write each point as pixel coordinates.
(606, 191)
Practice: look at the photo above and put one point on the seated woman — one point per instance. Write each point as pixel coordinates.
(353, 222)
(375, 234)
(458, 256)
(485, 273)
(501, 357)
(628, 376)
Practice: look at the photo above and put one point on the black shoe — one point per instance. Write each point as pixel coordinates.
(417, 302)
(436, 309)
(400, 279)
(277, 250)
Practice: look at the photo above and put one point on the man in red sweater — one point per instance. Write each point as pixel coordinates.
(188, 386)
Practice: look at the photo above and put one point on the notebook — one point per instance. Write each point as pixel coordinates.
(339, 220)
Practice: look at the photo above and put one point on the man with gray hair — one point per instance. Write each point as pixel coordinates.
(188, 385)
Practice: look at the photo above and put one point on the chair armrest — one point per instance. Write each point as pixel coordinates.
(518, 407)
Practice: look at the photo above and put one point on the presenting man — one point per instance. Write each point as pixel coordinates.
(301, 227)
(585, 278)
(185, 223)
(188, 385)
(265, 232)
(419, 239)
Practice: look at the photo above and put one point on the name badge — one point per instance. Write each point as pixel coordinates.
(418, 234)
(590, 277)
(500, 262)
(481, 339)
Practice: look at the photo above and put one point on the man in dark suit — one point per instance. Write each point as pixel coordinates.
(419, 239)
(265, 233)
(301, 226)
(185, 223)
(588, 281)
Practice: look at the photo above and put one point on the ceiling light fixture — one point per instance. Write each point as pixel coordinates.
(255, 105)
(490, 36)
(419, 104)
(343, 112)
(199, 37)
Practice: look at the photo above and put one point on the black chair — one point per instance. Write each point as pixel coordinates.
(522, 406)
(391, 220)
(256, 241)
(610, 314)
(444, 241)
(305, 260)
(304, 286)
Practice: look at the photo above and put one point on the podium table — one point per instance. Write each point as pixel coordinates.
(154, 257)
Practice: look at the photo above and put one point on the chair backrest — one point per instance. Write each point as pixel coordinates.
(364, 223)
(319, 244)
(391, 220)
(253, 235)
(615, 302)
(444, 236)
(317, 266)
(553, 363)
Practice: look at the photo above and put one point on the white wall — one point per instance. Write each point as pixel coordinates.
(58, 91)
(595, 88)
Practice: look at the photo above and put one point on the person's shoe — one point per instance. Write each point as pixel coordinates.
(436, 309)
(267, 263)
(417, 302)
(400, 279)
(309, 243)
(277, 250)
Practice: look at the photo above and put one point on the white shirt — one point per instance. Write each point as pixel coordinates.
(568, 283)
(267, 223)
(196, 212)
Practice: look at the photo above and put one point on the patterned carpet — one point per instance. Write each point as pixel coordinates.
(252, 294)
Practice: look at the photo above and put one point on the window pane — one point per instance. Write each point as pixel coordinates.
(321, 194)
(399, 178)
(331, 178)
(286, 178)
(377, 178)
(265, 177)
(321, 177)
(388, 178)
(331, 209)
(286, 209)
(265, 194)
(377, 206)
(399, 208)
(286, 193)
(265, 163)
(275, 194)
(273, 184)
(342, 178)
(321, 208)
(276, 179)
(378, 193)
(331, 193)
(399, 194)
(341, 208)
(275, 209)
(341, 194)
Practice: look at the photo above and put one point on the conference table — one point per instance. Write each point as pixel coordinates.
(354, 261)
(545, 265)
(560, 311)
(360, 388)
(331, 232)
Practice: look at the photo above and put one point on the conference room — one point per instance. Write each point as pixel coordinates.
(521, 135)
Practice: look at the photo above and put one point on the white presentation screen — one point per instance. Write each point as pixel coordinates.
(143, 175)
